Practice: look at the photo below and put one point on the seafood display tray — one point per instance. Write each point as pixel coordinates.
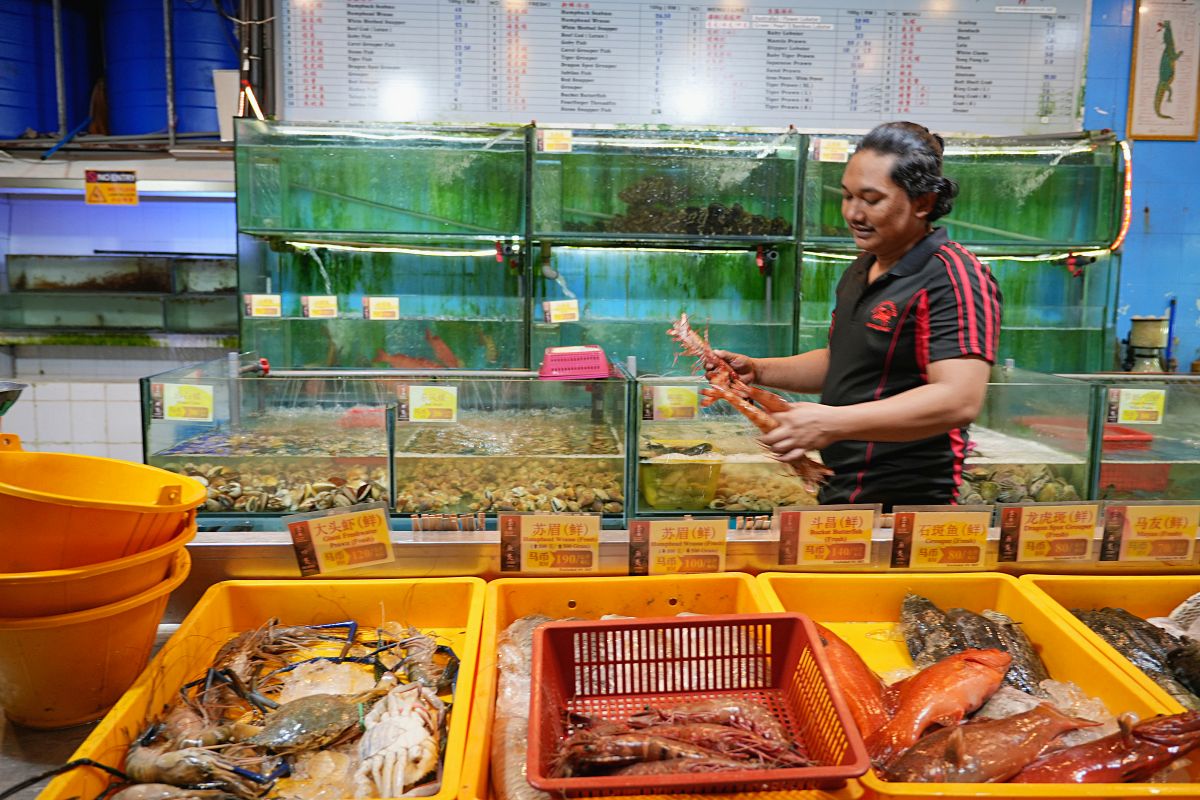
(449, 608)
(864, 610)
(510, 599)
(611, 668)
(1143, 595)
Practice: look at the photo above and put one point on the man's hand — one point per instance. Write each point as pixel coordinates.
(743, 366)
(803, 427)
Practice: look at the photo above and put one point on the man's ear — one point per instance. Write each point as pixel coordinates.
(924, 204)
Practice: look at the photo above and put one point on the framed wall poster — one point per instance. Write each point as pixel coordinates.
(1165, 76)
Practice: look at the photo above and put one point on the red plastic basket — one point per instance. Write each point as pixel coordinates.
(1074, 431)
(612, 669)
(1135, 477)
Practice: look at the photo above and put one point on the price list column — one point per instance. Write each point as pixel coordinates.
(1054, 50)
(860, 67)
(991, 69)
(664, 56)
(598, 59)
(391, 69)
(463, 58)
(311, 73)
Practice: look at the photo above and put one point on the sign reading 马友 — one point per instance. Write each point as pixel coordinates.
(999, 67)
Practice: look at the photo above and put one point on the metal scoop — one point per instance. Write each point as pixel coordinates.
(9, 392)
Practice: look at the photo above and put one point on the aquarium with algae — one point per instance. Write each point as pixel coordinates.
(704, 460)
(414, 232)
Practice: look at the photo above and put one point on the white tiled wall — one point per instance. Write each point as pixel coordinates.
(95, 418)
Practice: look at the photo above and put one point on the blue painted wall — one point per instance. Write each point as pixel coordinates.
(1164, 239)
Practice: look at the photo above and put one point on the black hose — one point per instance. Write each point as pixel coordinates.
(67, 767)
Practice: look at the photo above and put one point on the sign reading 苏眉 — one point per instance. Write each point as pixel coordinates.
(677, 546)
(549, 544)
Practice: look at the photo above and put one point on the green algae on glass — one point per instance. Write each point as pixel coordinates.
(371, 179)
(1030, 192)
(640, 183)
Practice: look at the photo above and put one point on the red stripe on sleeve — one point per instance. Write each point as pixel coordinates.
(962, 343)
(968, 300)
(923, 333)
(989, 302)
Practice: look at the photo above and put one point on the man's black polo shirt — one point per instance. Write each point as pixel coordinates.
(937, 302)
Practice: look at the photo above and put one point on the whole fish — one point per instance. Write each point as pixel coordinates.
(441, 350)
(928, 635)
(941, 694)
(976, 631)
(1186, 612)
(989, 751)
(401, 361)
(1143, 644)
(1132, 754)
(862, 688)
(1027, 670)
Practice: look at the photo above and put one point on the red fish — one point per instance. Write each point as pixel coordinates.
(940, 694)
(860, 686)
(990, 751)
(441, 350)
(401, 361)
(1132, 754)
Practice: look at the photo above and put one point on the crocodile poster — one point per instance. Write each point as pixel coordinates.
(1163, 85)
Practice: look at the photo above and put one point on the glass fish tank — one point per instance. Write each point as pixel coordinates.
(1034, 193)
(704, 460)
(269, 445)
(320, 178)
(627, 297)
(300, 440)
(387, 305)
(1148, 446)
(1056, 318)
(1031, 441)
(648, 184)
(518, 444)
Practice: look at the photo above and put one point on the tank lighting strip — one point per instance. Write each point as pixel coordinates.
(412, 251)
(747, 250)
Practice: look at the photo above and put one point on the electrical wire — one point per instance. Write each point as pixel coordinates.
(234, 19)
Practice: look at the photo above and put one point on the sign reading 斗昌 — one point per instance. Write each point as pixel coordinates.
(837, 534)
(549, 544)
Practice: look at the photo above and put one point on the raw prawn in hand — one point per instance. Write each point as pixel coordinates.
(728, 386)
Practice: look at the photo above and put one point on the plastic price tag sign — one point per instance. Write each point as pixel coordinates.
(1138, 406)
(385, 308)
(1149, 532)
(556, 311)
(670, 402)
(263, 305)
(339, 539)
(110, 187)
(677, 546)
(940, 536)
(554, 140)
(836, 534)
(426, 403)
(319, 306)
(549, 544)
(1035, 532)
(181, 402)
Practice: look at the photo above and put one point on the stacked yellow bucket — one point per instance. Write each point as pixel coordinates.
(90, 549)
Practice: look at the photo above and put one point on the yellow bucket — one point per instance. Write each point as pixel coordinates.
(63, 591)
(59, 510)
(71, 668)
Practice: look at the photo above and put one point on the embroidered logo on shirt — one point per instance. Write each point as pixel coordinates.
(883, 317)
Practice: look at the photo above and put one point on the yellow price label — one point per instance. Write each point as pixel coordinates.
(1048, 532)
(319, 306)
(677, 546)
(187, 402)
(554, 140)
(1158, 533)
(939, 539)
(433, 403)
(1141, 406)
(385, 308)
(549, 544)
(676, 402)
(329, 541)
(263, 305)
(834, 535)
(556, 311)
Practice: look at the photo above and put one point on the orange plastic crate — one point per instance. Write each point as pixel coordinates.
(613, 669)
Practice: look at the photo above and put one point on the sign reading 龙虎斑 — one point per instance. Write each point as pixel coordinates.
(1011, 67)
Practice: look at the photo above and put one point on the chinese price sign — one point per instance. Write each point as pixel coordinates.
(549, 544)
(556, 311)
(381, 307)
(1149, 532)
(263, 305)
(925, 539)
(674, 546)
(1139, 406)
(670, 402)
(828, 535)
(182, 402)
(426, 403)
(319, 306)
(1048, 533)
(337, 540)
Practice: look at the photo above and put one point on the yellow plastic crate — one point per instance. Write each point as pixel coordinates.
(1144, 595)
(860, 608)
(451, 608)
(510, 599)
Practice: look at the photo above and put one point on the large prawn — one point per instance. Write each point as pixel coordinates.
(726, 385)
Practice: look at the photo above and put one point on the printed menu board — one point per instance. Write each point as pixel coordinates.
(959, 66)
